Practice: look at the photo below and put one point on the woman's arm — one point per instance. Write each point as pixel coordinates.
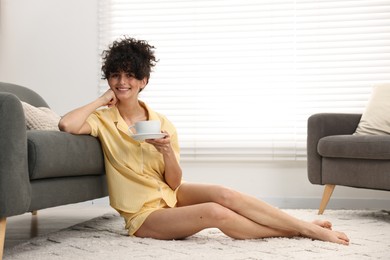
(173, 173)
(74, 122)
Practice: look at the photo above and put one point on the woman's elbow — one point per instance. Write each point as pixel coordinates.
(174, 184)
(64, 126)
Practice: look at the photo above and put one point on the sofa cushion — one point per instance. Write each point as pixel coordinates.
(58, 154)
(40, 118)
(355, 146)
(376, 117)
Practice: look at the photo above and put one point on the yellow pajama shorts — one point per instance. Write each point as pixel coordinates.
(135, 220)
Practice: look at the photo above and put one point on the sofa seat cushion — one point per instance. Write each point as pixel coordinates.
(353, 146)
(54, 154)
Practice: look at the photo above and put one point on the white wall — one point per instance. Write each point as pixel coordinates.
(284, 184)
(50, 46)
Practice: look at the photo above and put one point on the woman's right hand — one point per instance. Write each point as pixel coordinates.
(109, 98)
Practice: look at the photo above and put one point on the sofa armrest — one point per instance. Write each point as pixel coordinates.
(319, 126)
(69, 155)
(15, 189)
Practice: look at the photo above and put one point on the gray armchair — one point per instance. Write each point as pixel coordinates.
(41, 169)
(337, 157)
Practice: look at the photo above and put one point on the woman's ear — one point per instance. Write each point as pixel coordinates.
(145, 81)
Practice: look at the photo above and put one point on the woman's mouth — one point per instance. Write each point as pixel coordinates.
(123, 89)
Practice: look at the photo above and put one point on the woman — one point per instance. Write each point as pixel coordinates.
(145, 178)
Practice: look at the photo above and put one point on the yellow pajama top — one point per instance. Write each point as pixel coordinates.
(135, 170)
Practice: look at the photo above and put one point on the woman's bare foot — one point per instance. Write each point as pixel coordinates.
(323, 223)
(322, 233)
(338, 237)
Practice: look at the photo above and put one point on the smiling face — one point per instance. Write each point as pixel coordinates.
(125, 85)
(127, 64)
(131, 56)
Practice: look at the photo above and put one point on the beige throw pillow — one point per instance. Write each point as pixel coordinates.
(376, 117)
(40, 118)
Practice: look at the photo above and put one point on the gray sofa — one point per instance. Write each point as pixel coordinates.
(41, 169)
(337, 157)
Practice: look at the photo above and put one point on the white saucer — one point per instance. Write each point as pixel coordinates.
(142, 137)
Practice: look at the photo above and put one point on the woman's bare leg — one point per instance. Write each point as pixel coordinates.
(257, 211)
(181, 222)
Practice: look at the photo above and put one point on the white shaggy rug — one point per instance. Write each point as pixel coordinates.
(105, 238)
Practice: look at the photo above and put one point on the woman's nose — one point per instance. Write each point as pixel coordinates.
(122, 80)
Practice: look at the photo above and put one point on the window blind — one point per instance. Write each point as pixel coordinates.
(239, 79)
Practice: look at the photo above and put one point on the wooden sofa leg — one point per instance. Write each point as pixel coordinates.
(3, 223)
(328, 190)
(34, 224)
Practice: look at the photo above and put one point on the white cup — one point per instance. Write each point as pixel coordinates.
(148, 127)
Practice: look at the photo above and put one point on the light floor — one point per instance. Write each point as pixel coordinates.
(24, 227)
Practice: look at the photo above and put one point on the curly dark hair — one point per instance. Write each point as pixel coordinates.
(135, 57)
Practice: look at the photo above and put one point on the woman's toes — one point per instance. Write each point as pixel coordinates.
(323, 223)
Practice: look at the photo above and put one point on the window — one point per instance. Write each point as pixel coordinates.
(240, 78)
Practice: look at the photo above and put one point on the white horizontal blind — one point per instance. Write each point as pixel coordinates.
(239, 78)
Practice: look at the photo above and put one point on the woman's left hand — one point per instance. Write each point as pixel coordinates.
(163, 145)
